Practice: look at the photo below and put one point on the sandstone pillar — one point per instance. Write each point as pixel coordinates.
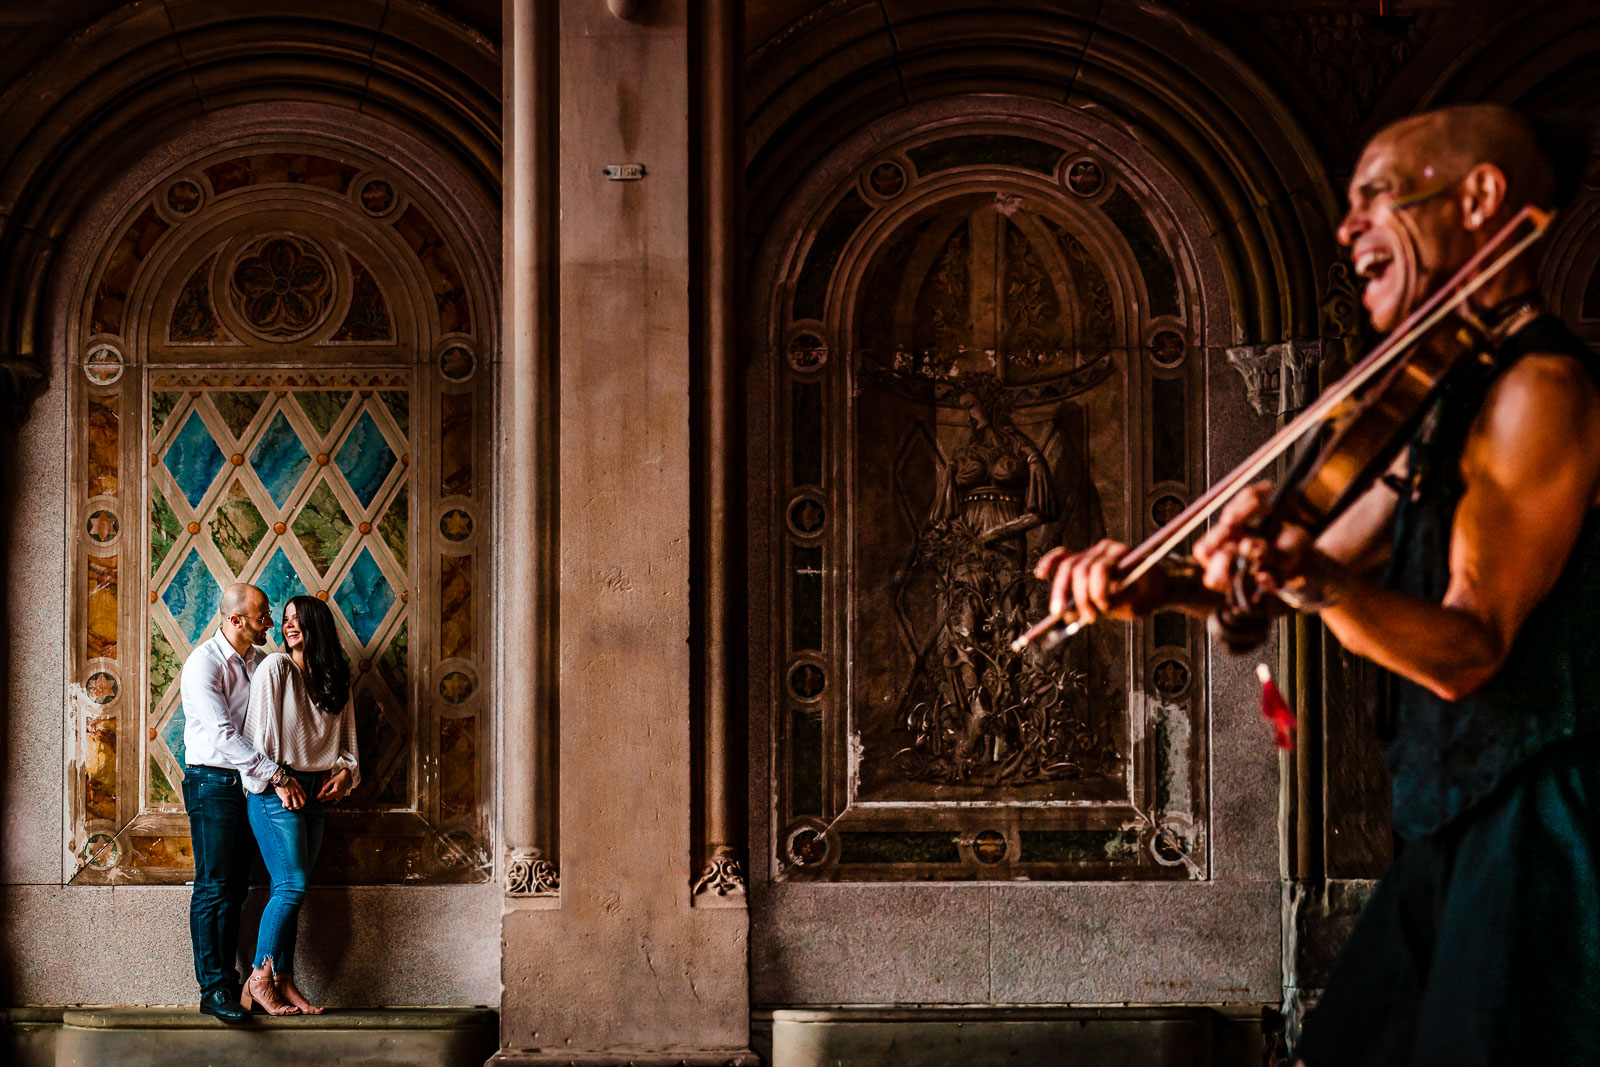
(620, 966)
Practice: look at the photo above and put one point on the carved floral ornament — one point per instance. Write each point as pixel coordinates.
(282, 287)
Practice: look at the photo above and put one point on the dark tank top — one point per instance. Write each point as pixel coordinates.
(1444, 756)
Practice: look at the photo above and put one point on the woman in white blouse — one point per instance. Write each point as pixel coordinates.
(299, 717)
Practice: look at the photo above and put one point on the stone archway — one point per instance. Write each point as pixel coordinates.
(284, 356)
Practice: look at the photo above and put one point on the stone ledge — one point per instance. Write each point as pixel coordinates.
(185, 1018)
(983, 1036)
(626, 1058)
(182, 1037)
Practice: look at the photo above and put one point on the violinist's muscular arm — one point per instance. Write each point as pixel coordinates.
(1531, 470)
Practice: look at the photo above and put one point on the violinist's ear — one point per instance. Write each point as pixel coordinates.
(1483, 194)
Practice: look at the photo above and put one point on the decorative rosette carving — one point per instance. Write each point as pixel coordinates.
(282, 287)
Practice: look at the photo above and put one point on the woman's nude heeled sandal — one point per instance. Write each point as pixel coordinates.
(292, 994)
(259, 988)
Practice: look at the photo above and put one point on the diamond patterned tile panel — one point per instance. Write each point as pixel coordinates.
(164, 665)
(323, 406)
(392, 665)
(398, 402)
(365, 459)
(237, 408)
(279, 459)
(161, 407)
(322, 527)
(279, 581)
(192, 596)
(194, 459)
(237, 527)
(394, 524)
(164, 528)
(171, 733)
(161, 791)
(364, 596)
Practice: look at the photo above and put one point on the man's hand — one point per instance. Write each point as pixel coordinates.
(1289, 559)
(336, 787)
(1088, 580)
(291, 794)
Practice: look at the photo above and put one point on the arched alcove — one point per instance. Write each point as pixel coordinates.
(984, 335)
(283, 350)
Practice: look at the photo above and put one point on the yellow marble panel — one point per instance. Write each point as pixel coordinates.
(455, 606)
(455, 444)
(458, 766)
(102, 607)
(102, 454)
(100, 767)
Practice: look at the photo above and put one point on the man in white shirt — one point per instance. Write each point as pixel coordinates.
(216, 691)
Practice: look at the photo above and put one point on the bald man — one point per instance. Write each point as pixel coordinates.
(216, 690)
(1472, 571)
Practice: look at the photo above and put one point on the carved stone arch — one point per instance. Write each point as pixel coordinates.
(941, 202)
(874, 600)
(1540, 59)
(141, 75)
(1570, 274)
(1197, 109)
(305, 449)
(362, 259)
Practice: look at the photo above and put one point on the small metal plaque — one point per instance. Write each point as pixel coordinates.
(624, 172)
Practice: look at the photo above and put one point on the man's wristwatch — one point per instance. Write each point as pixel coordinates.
(280, 778)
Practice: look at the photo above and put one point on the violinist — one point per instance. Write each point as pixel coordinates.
(1471, 570)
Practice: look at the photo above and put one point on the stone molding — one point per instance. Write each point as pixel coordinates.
(723, 877)
(1279, 379)
(529, 874)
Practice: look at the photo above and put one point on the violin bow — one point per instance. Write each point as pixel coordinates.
(1488, 261)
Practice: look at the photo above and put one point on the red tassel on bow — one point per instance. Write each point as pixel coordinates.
(1275, 710)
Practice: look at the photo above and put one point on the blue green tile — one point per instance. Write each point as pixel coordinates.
(279, 459)
(171, 732)
(194, 459)
(279, 581)
(364, 596)
(365, 459)
(192, 596)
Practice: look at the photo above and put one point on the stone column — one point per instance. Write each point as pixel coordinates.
(528, 467)
(721, 881)
(625, 969)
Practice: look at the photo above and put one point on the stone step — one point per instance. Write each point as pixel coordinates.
(182, 1037)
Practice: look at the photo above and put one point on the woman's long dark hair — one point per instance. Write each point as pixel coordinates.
(327, 671)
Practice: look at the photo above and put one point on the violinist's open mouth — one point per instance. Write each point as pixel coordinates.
(1373, 263)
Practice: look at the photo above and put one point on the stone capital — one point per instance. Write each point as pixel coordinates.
(1280, 378)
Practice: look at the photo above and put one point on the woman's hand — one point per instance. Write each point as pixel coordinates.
(291, 794)
(336, 787)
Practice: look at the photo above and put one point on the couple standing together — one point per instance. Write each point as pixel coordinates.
(269, 739)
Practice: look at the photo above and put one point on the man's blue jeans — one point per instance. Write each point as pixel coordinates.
(290, 841)
(223, 853)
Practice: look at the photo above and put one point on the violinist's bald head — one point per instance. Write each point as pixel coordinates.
(1443, 145)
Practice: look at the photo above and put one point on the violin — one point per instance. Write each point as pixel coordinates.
(1360, 423)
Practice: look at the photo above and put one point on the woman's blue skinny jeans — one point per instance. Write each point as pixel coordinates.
(290, 841)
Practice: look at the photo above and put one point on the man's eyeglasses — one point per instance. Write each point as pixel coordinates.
(259, 620)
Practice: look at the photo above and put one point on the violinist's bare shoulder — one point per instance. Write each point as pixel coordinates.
(1539, 432)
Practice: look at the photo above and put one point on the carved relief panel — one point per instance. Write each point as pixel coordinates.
(278, 385)
(979, 350)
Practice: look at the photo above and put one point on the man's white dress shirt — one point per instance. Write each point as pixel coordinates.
(216, 692)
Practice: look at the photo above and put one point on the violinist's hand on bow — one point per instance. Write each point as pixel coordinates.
(1287, 561)
(1083, 584)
